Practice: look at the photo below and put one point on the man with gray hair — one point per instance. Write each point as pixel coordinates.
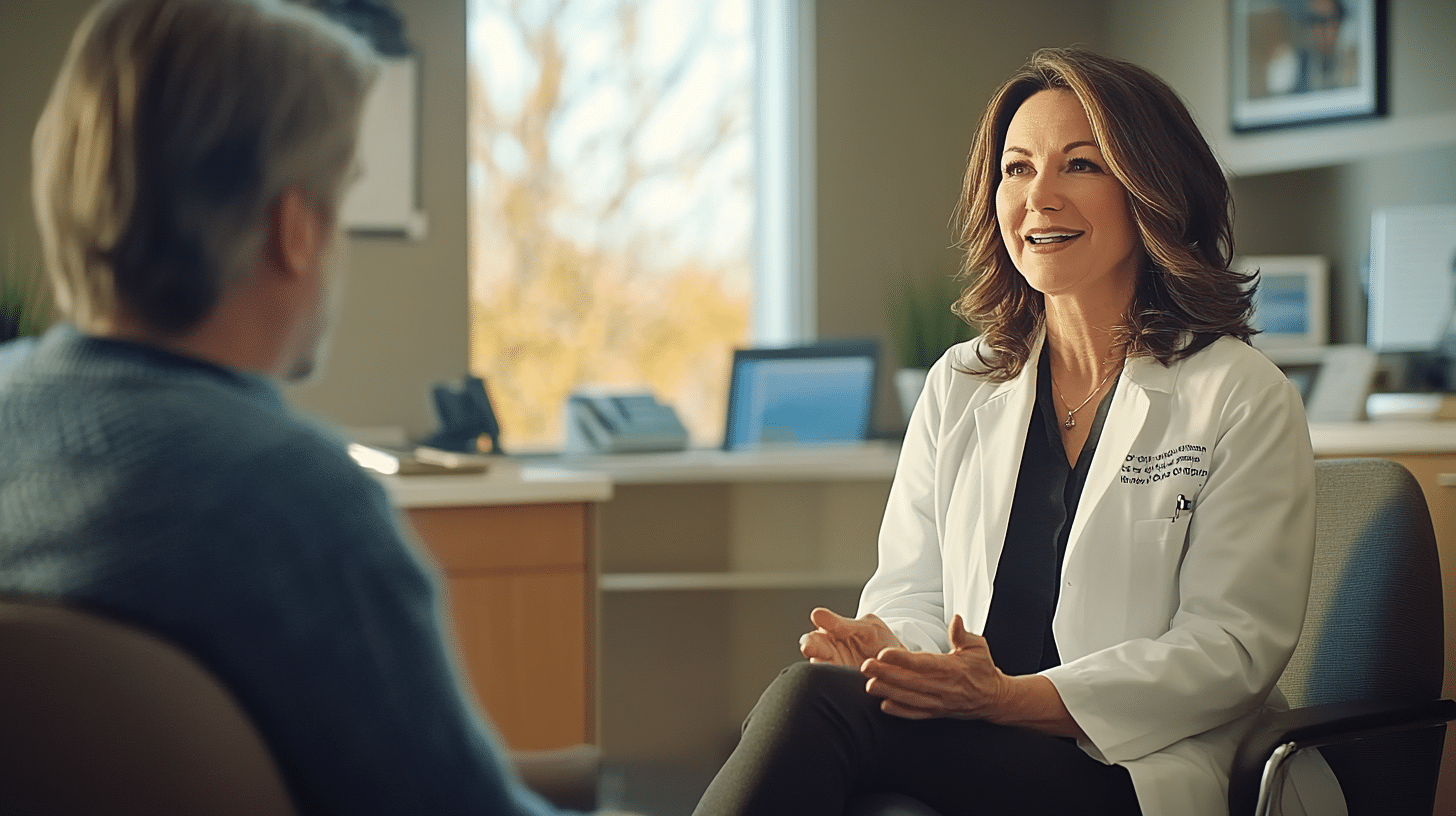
(189, 168)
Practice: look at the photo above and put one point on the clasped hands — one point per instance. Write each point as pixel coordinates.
(916, 685)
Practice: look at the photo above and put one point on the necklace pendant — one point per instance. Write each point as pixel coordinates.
(1070, 421)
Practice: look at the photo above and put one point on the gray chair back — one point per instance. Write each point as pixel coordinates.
(1374, 626)
(100, 717)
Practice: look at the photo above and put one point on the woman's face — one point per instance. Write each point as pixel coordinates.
(1064, 217)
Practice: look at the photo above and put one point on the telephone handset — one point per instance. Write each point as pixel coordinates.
(621, 422)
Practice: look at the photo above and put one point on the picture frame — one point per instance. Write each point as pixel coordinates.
(1291, 305)
(1306, 62)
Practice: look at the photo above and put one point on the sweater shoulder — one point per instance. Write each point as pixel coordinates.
(196, 432)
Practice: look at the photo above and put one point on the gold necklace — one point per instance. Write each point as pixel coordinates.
(1071, 412)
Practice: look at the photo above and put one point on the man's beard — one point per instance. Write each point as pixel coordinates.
(309, 365)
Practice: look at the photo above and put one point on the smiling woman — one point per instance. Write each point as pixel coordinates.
(1056, 626)
(1176, 198)
(1066, 225)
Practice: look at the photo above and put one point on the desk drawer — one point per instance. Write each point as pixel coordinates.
(506, 537)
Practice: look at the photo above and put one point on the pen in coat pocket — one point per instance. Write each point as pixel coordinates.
(1180, 506)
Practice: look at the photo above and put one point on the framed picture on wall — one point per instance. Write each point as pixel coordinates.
(1303, 62)
(1291, 305)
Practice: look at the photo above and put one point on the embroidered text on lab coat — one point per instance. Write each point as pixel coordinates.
(1184, 460)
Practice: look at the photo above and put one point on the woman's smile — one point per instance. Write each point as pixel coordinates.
(1047, 239)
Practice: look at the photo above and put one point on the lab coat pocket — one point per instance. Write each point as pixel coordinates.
(1157, 553)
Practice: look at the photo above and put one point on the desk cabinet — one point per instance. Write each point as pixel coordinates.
(706, 588)
(521, 595)
(710, 563)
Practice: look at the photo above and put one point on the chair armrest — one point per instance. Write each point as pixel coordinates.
(1324, 725)
(565, 777)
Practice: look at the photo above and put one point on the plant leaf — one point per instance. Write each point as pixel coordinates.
(922, 325)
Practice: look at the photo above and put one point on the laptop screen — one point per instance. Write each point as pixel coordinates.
(802, 395)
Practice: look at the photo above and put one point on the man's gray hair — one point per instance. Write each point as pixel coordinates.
(173, 127)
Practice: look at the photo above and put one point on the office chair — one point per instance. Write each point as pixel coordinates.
(99, 717)
(1365, 678)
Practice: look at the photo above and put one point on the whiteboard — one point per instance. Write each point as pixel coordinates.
(384, 198)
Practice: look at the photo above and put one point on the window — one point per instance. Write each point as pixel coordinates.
(612, 204)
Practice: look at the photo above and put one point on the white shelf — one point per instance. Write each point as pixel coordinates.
(673, 581)
(870, 461)
(1385, 437)
(1303, 148)
(593, 478)
(527, 486)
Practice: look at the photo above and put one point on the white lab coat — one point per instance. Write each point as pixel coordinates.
(1172, 632)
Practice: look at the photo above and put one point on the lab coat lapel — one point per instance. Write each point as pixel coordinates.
(1000, 438)
(1125, 419)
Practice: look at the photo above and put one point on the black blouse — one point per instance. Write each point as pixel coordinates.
(1028, 576)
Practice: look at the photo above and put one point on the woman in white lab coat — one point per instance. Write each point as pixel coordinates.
(1095, 558)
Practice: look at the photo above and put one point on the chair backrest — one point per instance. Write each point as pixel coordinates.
(100, 717)
(1374, 624)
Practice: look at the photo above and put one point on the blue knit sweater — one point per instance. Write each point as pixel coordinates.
(187, 499)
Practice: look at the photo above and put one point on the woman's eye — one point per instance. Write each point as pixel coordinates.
(1015, 169)
(1084, 166)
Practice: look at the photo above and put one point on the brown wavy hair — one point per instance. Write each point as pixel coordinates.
(1187, 296)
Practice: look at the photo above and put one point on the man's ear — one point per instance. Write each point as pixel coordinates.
(296, 233)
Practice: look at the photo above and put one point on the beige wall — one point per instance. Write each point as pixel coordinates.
(403, 323)
(1310, 191)
(33, 38)
(404, 320)
(900, 87)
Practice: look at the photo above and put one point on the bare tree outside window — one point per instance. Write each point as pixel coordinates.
(611, 203)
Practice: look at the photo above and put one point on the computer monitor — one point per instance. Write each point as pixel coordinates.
(815, 394)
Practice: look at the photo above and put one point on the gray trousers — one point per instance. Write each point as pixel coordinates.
(817, 739)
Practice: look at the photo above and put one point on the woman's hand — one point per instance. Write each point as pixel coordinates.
(846, 641)
(920, 685)
(965, 684)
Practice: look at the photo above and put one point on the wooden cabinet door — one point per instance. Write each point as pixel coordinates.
(520, 598)
(523, 645)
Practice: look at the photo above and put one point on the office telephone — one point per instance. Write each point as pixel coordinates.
(465, 415)
(622, 422)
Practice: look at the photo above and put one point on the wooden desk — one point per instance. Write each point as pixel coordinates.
(518, 558)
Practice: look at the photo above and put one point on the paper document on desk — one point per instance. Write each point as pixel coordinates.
(426, 461)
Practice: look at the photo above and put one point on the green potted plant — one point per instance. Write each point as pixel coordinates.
(24, 304)
(922, 327)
